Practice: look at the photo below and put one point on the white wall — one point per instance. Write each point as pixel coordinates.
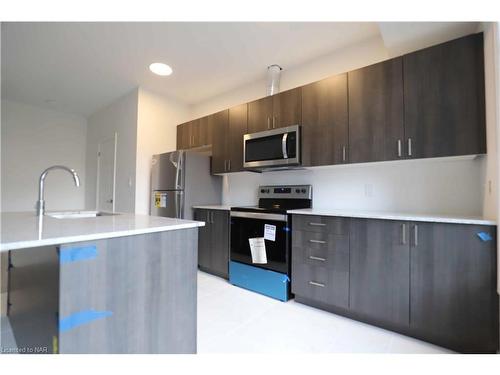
(158, 117)
(119, 117)
(440, 186)
(32, 140)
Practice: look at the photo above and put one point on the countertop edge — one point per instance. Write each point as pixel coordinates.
(394, 216)
(212, 207)
(97, 236)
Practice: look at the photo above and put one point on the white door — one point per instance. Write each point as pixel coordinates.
(106, 171)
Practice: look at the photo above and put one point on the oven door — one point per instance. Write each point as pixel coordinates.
(272, 148)
(245, 225)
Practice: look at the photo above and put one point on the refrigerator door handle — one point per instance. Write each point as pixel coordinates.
(178, 197)
(178, 171)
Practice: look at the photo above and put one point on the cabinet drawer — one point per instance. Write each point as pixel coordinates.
(318, 249)
(321, 284)
(322, 224)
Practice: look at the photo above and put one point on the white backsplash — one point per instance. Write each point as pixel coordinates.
(437, 186)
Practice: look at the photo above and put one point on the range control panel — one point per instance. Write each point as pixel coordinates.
(286, 192)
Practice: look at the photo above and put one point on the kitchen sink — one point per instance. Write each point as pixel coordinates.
(77, 214)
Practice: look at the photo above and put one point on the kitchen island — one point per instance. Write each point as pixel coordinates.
(119, 283)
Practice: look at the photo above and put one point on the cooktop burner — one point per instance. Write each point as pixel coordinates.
(279, 199)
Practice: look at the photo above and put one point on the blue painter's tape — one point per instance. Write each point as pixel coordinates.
(75, 254)
(82, 317)
(484, 236)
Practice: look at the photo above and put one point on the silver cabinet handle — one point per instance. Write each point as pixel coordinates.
(403, 234)
(317, 258)
(409, 147)
(268, 122)
(317, 224)
(314, 283)
(229, 165)
(317, 241)
(208, 217)
(274, 122)
(399, 147)
(415, 235)
(343, 153)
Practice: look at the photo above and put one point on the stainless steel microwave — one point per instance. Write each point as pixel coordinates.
(272, 148)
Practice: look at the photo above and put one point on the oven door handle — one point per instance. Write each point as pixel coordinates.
(283, 145)
(258, 215)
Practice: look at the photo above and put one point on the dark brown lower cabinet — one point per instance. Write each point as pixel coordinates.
(320, 267)
(380, 270)
(453, 286)
(432, 281)
(213, 241)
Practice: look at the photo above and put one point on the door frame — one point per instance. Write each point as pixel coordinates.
(115, 139)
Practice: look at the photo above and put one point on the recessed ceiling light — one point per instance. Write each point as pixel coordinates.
(160, 69)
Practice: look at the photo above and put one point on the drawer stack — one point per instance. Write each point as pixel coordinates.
(320, 259)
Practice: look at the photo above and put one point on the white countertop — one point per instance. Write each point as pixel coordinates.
(221, 207)
(21, 230)
(456, 219)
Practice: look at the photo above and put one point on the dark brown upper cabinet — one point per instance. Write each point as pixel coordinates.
(227, 145)
(237, 129)
(277, 111)
(325, 122)
(220, 130)
(429, 103)
(444, 99)
(376, 128)
(183, 136)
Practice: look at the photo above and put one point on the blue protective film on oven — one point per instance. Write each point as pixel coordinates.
(269, 283)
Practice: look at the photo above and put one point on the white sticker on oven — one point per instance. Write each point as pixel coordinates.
(258, 250)
(270, 232)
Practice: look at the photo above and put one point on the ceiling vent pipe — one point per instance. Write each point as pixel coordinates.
(273, 79)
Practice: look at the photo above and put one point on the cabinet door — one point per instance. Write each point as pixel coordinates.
(287, 108)
(453, 286)
(260, 113)
(205, 132)
(376, 112)
(183, 136)
(204, 239)
(195, 133)
(237, 129)
(379, 270)
(444, 99)
(325, 122)
(220, 242)
(220, 128)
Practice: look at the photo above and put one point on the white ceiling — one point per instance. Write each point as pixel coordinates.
(80, 67)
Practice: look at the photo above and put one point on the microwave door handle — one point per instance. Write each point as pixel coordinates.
(283, 145)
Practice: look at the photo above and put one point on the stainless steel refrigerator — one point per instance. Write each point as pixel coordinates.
(181, 180)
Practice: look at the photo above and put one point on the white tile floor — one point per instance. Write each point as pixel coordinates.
(234, 320)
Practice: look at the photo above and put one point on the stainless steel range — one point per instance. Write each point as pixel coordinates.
(261, 240)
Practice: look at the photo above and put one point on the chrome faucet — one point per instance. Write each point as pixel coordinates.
(40, 204)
